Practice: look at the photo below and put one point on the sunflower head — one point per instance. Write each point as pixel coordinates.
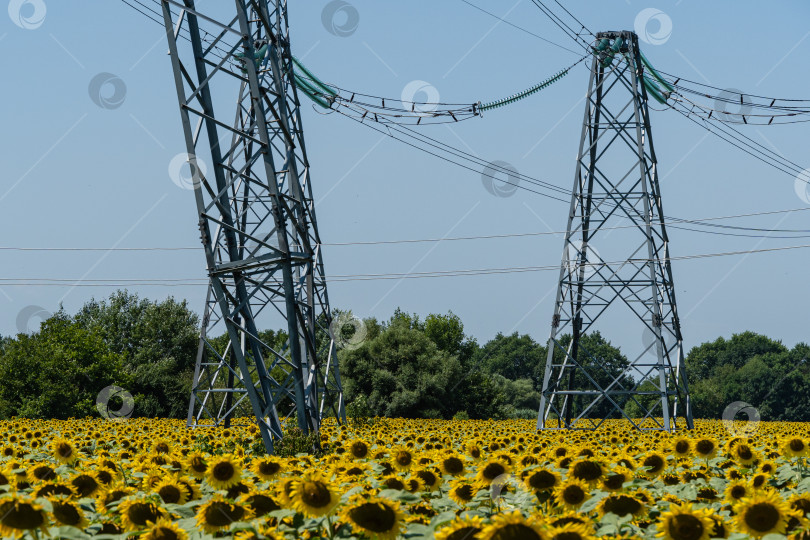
(217, 514)
(682, 522)
(462, 490)
(541, 479)
(491, 469)
(621, 504)
(374, 517)
(571, 493)
(267, 467)
(762, 513)
(452, 464)
(63, 451)
(514, 525)
(314, 496)
(461, 528)
(20, 514)
(223, 472)
(138, 512)
(66, 512)
(165, 529)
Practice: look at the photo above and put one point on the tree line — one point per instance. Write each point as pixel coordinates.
(402, 367)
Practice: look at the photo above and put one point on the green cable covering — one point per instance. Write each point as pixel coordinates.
(524, 94)
(315, 80)
(655, 74)
(311, 92)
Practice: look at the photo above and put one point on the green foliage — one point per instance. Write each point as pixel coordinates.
(58, 371)
(752, 368)
(296, 442)
(159, 341)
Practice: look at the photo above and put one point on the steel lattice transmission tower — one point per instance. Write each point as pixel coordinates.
(253, 190)
(615, 268)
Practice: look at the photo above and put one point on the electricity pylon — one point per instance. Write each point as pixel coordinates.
(253, 190)
(627, 280)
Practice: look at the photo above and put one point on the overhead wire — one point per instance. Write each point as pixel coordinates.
(175, 282)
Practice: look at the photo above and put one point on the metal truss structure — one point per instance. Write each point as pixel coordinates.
(253, 190)
(615, 205)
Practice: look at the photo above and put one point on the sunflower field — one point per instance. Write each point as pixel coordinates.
(393, 478)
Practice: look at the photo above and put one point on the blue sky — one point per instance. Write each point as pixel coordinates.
(79, 175)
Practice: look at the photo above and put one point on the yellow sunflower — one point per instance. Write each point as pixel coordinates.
(171, 490)
(223, 472)
(63, 451)
(572, 493)
(375, 517)
(164, 529)
(737, 490)
(491, 469)
(706, 447)
(681, 447)
(461, 528)
(137, 512)
(570, 531)
(588, 470)
(541, 479)
(743, 454)
(462, 490)
(259, 502)
(67, 512)
(794, 447)
(682, 522)
(217, 514)
(763, 513)
(314, 496)
(20, 514)
(452, 464)
(403, 458)
(196, 465)
(621, 504)
(514, 525)
(267, 467)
